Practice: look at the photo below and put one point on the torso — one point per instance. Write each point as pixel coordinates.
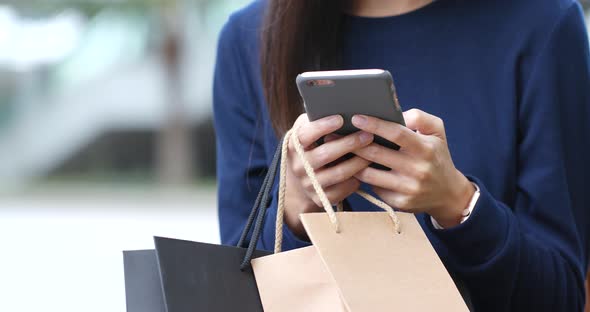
(459, 60)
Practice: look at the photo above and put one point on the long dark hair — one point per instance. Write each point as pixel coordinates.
(297, 36)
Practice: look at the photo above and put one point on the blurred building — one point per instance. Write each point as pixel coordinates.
(108, 88)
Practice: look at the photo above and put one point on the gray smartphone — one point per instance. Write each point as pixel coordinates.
(349, 92)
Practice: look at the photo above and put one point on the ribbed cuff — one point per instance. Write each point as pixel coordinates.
(478, 238)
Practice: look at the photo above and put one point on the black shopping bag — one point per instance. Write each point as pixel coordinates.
(143, 286)
(181, 275)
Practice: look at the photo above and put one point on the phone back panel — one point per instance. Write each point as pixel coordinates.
(366, 94)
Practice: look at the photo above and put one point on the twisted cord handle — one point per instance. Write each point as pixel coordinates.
(292, 135)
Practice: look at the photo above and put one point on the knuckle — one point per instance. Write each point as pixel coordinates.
(297, 168)
(353, 140)
(338, 174)
(429, 149)
(303, 136)
(364, 175)
(415, 189)
(291, 147)
(300, 121)
(370, 152)
(413, 111)
(403, 203)
(419, 119)
(302, 118)
(413, 114)
(423, 172)
(320, 155)
(307, 185)
(395, 135)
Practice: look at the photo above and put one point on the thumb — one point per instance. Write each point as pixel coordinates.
(424, 123)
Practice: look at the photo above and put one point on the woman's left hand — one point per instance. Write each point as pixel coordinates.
(423, 177)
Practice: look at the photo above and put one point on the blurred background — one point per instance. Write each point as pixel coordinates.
(106, 140)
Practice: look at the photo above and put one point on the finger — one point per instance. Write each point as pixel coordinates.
(329, 152)
(389, 180)
(310, 132)
(391, 131)
(341, 172)
(424, 123)
(399, 162)
(396, 200)
(331, 137)
(338, 192)
(387, 157)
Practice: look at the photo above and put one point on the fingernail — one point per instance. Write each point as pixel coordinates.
(359, 120)
(334, 121)
(365, 137)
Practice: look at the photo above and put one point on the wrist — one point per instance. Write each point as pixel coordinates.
(291, 219)
(451, 213)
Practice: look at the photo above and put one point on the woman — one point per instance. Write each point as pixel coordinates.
(508, 212)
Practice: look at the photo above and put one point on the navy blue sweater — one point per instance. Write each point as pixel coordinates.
(511, 80)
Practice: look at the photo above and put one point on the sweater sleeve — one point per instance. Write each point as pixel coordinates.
(533, 255)
(241, 162)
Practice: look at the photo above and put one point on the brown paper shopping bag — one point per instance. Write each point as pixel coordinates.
(359, 261)
(308, 285)
(378, 269)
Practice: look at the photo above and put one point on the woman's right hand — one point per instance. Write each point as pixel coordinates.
(338, 181)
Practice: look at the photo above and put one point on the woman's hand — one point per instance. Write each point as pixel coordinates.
(337, 180)
(423, 177)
